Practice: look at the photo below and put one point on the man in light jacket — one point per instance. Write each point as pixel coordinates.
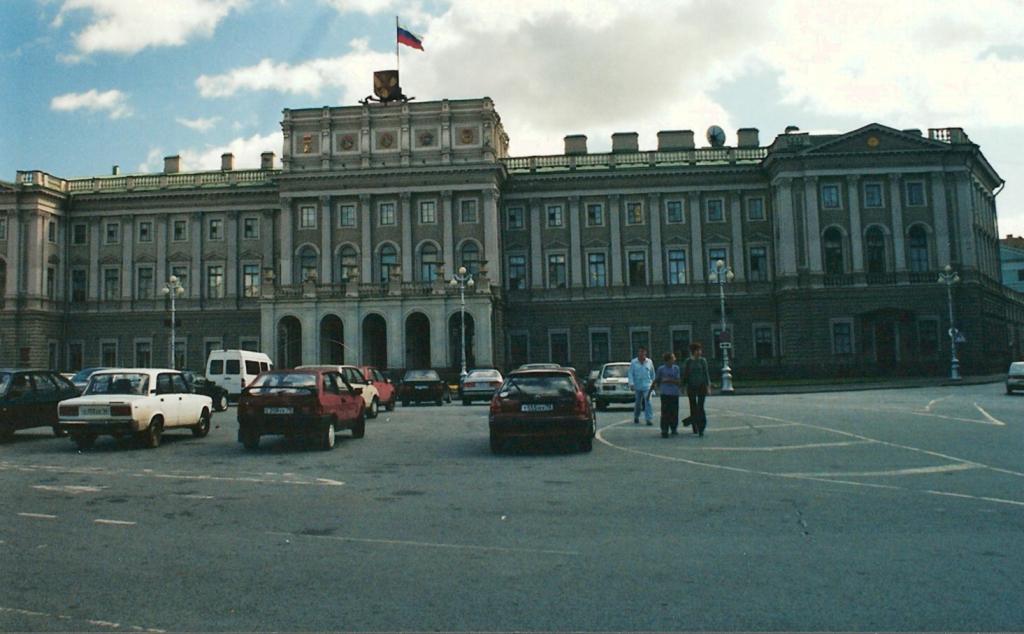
(641, 375)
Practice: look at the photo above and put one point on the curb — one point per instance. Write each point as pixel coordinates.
(863, 387)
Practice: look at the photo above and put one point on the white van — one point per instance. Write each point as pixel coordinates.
(233, 370)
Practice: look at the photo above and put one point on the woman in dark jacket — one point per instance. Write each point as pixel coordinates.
(697, 379)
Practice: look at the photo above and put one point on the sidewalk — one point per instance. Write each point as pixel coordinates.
(895, 383)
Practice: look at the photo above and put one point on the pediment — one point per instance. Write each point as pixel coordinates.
(758, 236)
(250, 254)
(595, 244)
(717, 237)
(178, 256)
(556, 244)
(875, 138)
(515, 246)
(676, 240)
(212, 256)
(145, 257)
(79, 260)
(110, 259)
(636, 242)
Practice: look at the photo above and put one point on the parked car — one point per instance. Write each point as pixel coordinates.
(385, 388)
(235, 369)
(423, 385)
(354, 376)
(1015, 377)
(542, 404)
(591, 386)
(539, 366)
(612, 386)
(81, 378)
(312, 403)
(29, 398)
(140, 402)
(479, 385)
(202, 385)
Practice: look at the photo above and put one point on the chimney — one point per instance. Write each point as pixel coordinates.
(576, 144)
(227, 161)
(267, 161)
(747, 137)
(675, 140)
(115, 170)
(172, 164)
(625, 142)
(790, 129)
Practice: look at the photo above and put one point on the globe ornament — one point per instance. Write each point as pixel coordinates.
(716, 136)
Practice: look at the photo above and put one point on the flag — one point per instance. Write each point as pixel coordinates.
(409, 38)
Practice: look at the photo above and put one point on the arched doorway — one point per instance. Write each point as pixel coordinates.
(417, 341)
(289, 343)
(455, 341)
(332, 338)
(375, 341)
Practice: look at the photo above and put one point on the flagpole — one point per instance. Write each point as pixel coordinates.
(397, 58)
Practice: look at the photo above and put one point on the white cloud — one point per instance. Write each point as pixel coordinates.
(199, 124)
(114, 102)
(247, 152)
(121, 26)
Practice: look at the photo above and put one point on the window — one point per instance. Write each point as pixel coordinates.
(307, 217)
(755, 209)
(181, 272)
(347, 216)
(111, 283)
(430, 262)
(386, 214)
(349, 264)
(144, 354)
(51, 282)
(595, 215)
(113, 234)
(215, 229)
(469, 257)
(428, 212)
(1020, 275)
(830, 196)
(388, 262)
(597, 273)
(251, 280)
(915, 193)
(875, 245)
(928, 337)
(516, 219)
(180, 233)
(558, 347)
(834, 263)
(764, 342)
(467, 211)
(556, 270)
(872, 195)
(637, 268)
(180, 353)
(76, 356)
(554, 215)
(108, 354)
(634, 213)
(308, 264)
(917, 242)
(639, 337)
(51, 230)
(600, 346)
(79, 233)
(79, 285)
(251, 228)
(716, 345)
(714, 255)
(716, 210)
(680, 341)
(145, 231)
(842, 337)
(676, 266)
(209, 345)
(758, 264)
(674, 211)
(144, 282)
(3, 228)
(252, 345)
(516, 271)
(518, 348)
(215, 281)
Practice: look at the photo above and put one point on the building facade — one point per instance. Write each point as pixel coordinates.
(1011, 255)
(344, 253)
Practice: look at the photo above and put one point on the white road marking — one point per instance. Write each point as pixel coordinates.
(150, 473)
(40, 516)
(992, 419)
(815, 445)
(400, 542)
(750, 427)
(194, 496)
(68, 488)
(114, 522)
(99, 623)
(915, 412)
(931, 403)
(895, 472)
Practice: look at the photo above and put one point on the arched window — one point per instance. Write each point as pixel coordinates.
(470, 257)
(430, 262)
(308, 263)
(834, 263)
(917, 249)
(875, 244)
(349, 261)
(388, 262)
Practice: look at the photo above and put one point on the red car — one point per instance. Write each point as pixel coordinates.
(545, 403)
(385, 388)
(313, 403)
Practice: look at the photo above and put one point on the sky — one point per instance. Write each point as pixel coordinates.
(89, 84)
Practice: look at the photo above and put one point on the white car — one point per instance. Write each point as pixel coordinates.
(139, 402)
(354, 377)
(1015, 377)
(612, 385)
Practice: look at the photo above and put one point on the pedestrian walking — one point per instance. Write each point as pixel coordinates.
(640, 377)
(697, 379)
(667, 380)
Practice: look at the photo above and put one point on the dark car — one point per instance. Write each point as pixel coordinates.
(202, 385)
(542, 404)
(311, 403)
(81, 378)
(29, 398)
(423, 385)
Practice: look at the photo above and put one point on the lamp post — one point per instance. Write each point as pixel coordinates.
(949, 277)
(174, 290)
(461, 280)
(720, 275)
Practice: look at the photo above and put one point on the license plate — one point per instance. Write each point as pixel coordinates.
(422, 387)
(537, 407)
(95, 411)
(278, 410)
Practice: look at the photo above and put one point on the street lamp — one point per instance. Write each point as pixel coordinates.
(173, 289)
(461, 280)
(949, 278)
(720, 275)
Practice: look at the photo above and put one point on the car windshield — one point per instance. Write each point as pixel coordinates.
(5, 382)
(482, 375)
(422, 375)
(1017, 369)
(117, 383)
(616, 371)
(82, 375)
(284, 382)
(538, 385)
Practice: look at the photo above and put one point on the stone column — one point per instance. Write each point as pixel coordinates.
(128, 258)
(482, 334)
(160, 228)
(96, 284)
(196, 269)
(287, 254)
(326, 243)
(736, 214)
(267, 239)
(492, 236)
(536, 249)
(813, 224)
(448, 229)
(396, 337)
(576, 264)
(785, 251)
(366, 238)
(896, 202)
(654, 218)
(856, 233)
(33, 253)
(438, 334)
(697, 259)
(14, 243)
(231, 268)
(965, 222)
(405, 218)
(351, 329)
(941, 212)
(310, 334)
(614, 223)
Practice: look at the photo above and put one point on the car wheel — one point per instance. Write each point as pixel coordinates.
(405, 403)
(466, 401)
(359, 429)
(6, 432)
(391, 406)
(202, 428)
(327, 438)
(586, 445)
(222, 403)
(84, 441)
(150, 436)
(58, 432)
(496, 443)
(602, 405)
(250, 438)
(447, 396)
(374, 408)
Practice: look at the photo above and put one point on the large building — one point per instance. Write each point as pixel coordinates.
(1011, 254)
(346, 250)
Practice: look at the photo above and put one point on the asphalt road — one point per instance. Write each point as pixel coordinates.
(885, 510)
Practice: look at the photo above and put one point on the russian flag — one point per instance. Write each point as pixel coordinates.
(409, 38)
